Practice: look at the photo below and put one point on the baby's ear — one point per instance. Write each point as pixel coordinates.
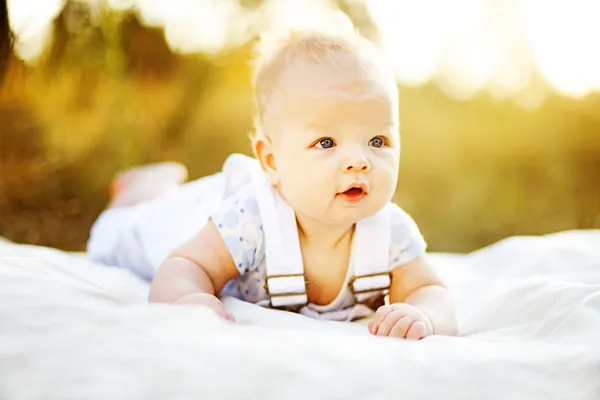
(262, 147)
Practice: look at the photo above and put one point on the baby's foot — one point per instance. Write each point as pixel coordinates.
(139, 184)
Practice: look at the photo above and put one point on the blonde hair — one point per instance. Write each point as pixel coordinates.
(276, 50)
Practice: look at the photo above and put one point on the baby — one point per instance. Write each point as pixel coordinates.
(308, 224)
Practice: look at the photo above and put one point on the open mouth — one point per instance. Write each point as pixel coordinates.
(354, 191)
(353, 194)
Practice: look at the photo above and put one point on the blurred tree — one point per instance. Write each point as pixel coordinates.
(146, 50)
(108, 92)
(6, 39)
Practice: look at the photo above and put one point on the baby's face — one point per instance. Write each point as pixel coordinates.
(335, 142)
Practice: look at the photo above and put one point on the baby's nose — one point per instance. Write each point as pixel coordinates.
(357, 164)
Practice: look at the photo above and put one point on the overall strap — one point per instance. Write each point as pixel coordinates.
(285, 283)
(371, 256)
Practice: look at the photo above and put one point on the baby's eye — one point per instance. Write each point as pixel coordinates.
(377, 141)
(325, 143)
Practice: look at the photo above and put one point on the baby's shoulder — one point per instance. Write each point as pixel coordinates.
(239, 211)
(239, 223)
(399, 217)
(406, 238)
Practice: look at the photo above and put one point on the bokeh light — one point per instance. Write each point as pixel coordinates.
(499, 105)
(466, 46)
(31, 22)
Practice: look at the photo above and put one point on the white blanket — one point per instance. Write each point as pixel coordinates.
(529, 309)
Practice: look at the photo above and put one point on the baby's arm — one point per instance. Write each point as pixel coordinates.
(420, 304)
(195, 272)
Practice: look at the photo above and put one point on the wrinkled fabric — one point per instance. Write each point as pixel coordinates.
(528, 307)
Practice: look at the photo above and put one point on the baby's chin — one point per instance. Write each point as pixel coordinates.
(346, 215)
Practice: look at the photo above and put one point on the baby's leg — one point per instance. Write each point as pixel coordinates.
(139, 184)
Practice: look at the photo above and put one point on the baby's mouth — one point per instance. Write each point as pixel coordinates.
(354, 191)
(353, 194)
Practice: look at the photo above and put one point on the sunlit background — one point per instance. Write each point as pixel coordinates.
(500, 105)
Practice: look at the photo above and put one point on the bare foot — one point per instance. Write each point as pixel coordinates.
(139, 184)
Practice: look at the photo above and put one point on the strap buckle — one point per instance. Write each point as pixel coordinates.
(291, 307)
(361, 291)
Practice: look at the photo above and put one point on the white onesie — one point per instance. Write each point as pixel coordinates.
(259, 229)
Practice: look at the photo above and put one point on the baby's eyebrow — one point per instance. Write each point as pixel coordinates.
(387, 128)
(384, 128)
(317, 127)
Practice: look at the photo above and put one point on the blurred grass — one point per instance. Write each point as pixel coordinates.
(112, 96)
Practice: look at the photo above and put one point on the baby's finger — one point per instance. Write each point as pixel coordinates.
(229, 316)
(381, 313)
(388, 323)
(215, 304)
(218, 309)
(401, 327)
(416, 331)
(223, 312)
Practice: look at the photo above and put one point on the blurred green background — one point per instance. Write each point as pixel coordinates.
(500, 106)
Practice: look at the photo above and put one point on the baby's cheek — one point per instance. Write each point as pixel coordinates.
(389, 163)
(386, 180)
(305, 193)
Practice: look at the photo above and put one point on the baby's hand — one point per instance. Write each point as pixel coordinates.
(208, 300)
(400, 320)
